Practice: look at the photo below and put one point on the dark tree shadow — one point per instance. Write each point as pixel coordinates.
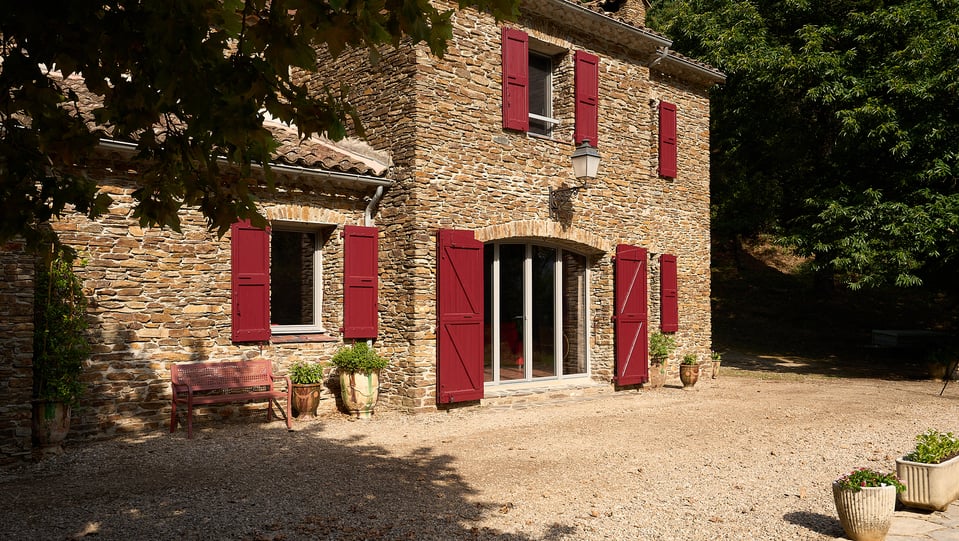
(287, 485)
(817, 522)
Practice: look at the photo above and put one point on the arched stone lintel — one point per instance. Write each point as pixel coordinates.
(304, 214)
(572, 237)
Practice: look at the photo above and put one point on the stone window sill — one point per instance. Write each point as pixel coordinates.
(302, 338)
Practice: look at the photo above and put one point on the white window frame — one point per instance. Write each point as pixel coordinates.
(528, 316)
(317, 230)
(550, 53)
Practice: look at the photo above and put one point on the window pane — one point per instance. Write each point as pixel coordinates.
(574, 313)
(512, 363)
(540, 68)
(291, 281)
(544, 312)
(488, 312)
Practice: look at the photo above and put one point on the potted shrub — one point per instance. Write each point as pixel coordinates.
(717, 359)
(307, 379)
(660, 347)
(865, 501)
(60, 346)
(359, 370)
(931, 471)
(689, 370)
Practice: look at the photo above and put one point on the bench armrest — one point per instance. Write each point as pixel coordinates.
(289, 384)
(179, 389)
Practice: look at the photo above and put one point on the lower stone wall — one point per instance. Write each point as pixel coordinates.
(16, 351)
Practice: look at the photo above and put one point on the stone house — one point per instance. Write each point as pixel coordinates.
(458, 237)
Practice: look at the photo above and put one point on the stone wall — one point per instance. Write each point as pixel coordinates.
(157, 297)
(16, 351)
(466, 172)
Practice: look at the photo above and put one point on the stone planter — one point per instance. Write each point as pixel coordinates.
(929, 486)
(51, 423)
(865, 515)
(306, 398)
(657, 374)
(359, 392)
(715, 372)
(689, 375)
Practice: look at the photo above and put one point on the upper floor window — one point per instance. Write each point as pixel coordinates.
(539, 88)
(541, 94)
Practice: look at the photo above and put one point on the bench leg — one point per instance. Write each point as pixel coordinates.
(173, 417)
(285, 411)
(189, 421)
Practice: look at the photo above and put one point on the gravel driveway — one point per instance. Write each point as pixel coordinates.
(739, 457)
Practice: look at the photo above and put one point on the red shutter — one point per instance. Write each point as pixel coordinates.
(587, 98)
(668, 289)
(360, 283)
(459, 314)
(630, 315)
(515, 79)
(250, 259)
(667, 140)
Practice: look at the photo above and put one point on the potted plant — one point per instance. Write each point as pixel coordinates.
(865, 501)
(931, 471)
(60, 346)
(717, 359)
(307, 379)
(689, 370)
(359, 369)
(660, 347)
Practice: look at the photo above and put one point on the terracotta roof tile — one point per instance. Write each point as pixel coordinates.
(346, 156)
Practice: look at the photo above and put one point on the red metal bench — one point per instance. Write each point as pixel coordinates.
(226, 382)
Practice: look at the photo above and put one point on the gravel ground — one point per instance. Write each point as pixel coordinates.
(739, 457)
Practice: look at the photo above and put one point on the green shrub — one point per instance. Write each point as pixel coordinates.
(689, 358)
(60, 343)
(660, 346)
(934, 447)
(306, 373)
(359, 357)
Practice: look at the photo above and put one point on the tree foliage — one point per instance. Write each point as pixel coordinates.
(191, 82)
(837, 128)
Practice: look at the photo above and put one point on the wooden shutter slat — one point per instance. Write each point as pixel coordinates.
(459, 351)
(250, 282)
(587, 98)
(515, 53)
(360, 282)
(668, 298)
(630, 294)
(667, 140)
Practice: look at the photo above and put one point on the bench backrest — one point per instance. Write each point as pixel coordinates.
(220, 375)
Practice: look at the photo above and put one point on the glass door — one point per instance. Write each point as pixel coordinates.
(535, 317)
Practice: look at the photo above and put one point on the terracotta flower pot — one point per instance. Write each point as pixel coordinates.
(306, 398)
(865, 515)
(688, 374)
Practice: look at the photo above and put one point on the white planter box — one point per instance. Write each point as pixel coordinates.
(929, 486)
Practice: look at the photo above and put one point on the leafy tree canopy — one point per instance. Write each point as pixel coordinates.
(190, 81)
(837, 128)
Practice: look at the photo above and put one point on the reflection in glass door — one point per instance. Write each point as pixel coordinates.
(536, 320)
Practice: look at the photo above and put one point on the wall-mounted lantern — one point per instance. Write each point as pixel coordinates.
(585, 166)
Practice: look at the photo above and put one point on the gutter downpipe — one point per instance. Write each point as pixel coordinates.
(663, 53)
(373, 203)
